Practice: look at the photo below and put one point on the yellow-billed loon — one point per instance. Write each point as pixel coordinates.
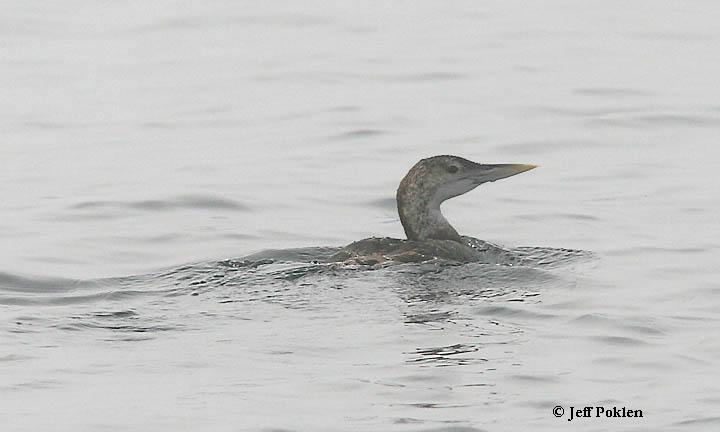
(430, 236)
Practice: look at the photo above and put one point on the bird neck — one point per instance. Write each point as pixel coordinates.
(420, 214)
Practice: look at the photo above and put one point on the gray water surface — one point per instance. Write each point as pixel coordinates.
(149, 152)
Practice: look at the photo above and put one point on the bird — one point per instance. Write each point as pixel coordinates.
(428, 184)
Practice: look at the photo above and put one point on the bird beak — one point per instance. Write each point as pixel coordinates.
(489, 173)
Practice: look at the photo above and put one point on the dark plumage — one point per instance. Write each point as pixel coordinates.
(421, 192)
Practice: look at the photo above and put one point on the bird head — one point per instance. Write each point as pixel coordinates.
(445, 177)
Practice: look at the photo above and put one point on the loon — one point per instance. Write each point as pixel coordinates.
(430, 236)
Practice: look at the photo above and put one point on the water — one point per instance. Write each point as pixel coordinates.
(147, 148)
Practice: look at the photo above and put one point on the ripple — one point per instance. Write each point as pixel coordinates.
(450, 355)
(37, 384)
(14, 357)
(683, 37)
(359, 134)
(433, 405)
(17, 283)
(507, 311)
(612, 92)
(130, 328)
(658, 250)
(118, 321)
(454, 428)
(422, 77)
(715, 420)
(65, 299)
(550, 216)
(282, 20)
(429, 317)
(389, 203)
(669, 120)
(536, 378)
(547, 146)
(180, 202)
(620, 340)
(305, 255)
(582, 112)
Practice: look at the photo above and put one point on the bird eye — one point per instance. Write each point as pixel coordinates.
(452, 169)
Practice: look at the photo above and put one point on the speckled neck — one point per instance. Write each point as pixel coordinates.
(419, 208)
